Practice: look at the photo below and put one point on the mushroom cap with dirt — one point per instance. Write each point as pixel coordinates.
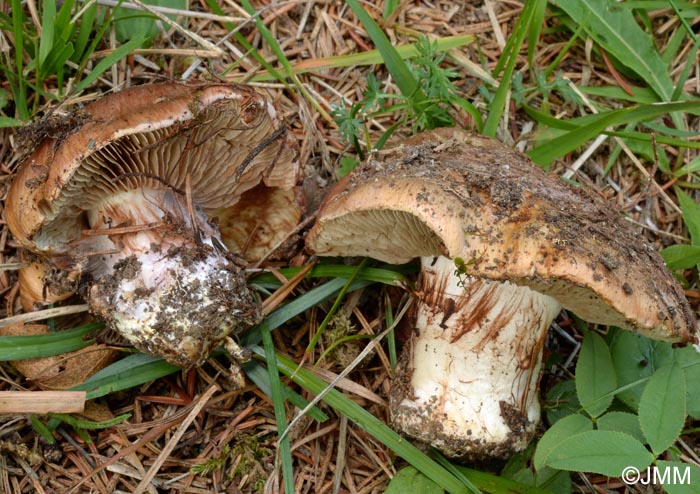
(503, 247)
(127, 192)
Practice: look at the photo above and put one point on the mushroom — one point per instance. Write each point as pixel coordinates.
(126, 192)
(503, 246)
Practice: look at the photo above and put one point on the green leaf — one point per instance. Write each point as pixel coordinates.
(681, 256)
(662, 407)
(621, 422)
(9, 122)
(691, 214)
(640, 94)
(604, 452)
(595, 375)
(678, 477)
(561, 401)
(689, 359)
(408, 479)
(132, 23)
(616, 30)
(347, 164)
(497, 485)
(636, 357)
(555, 435)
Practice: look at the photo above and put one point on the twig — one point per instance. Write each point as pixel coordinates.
(44, 314)
(42, 401)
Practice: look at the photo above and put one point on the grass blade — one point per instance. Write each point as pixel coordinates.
(534, 29)
(284, 448)
(372, 425)
(20, 86)
(46, 42)
(364, 58)
(274, 45)
(403, 77)
(508, 59)
(392, 276)
(256, 372)
(297, 306)
(555, 148)
(46, 345)
(126, 373)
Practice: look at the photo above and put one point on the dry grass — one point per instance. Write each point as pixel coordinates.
(196, 418)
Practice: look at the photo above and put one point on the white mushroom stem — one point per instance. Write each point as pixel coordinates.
(468, 382)
(167, 289)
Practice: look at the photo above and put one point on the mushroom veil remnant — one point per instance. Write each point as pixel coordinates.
(128, 191)
(503, 247)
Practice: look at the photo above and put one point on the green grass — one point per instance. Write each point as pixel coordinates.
(58, 50)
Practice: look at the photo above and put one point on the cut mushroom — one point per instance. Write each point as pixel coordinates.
(503, 246)
(126, 195)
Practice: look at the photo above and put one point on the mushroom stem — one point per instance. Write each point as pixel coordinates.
(467, 383)
(162, 282)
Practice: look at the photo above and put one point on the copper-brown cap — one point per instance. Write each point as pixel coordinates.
(226, 137)
(447, 192)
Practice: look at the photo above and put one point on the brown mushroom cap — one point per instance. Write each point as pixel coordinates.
(226, 137)
(127, 191)
(449, 193)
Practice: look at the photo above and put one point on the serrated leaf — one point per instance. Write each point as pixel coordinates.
(604, 452)
(566, 427)
(636, 357)
(616, 30)
(595, 375)
(662, 407)
(680, 478)
(409, 479)
(621, 422)
(689, 359)
(681, 256)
